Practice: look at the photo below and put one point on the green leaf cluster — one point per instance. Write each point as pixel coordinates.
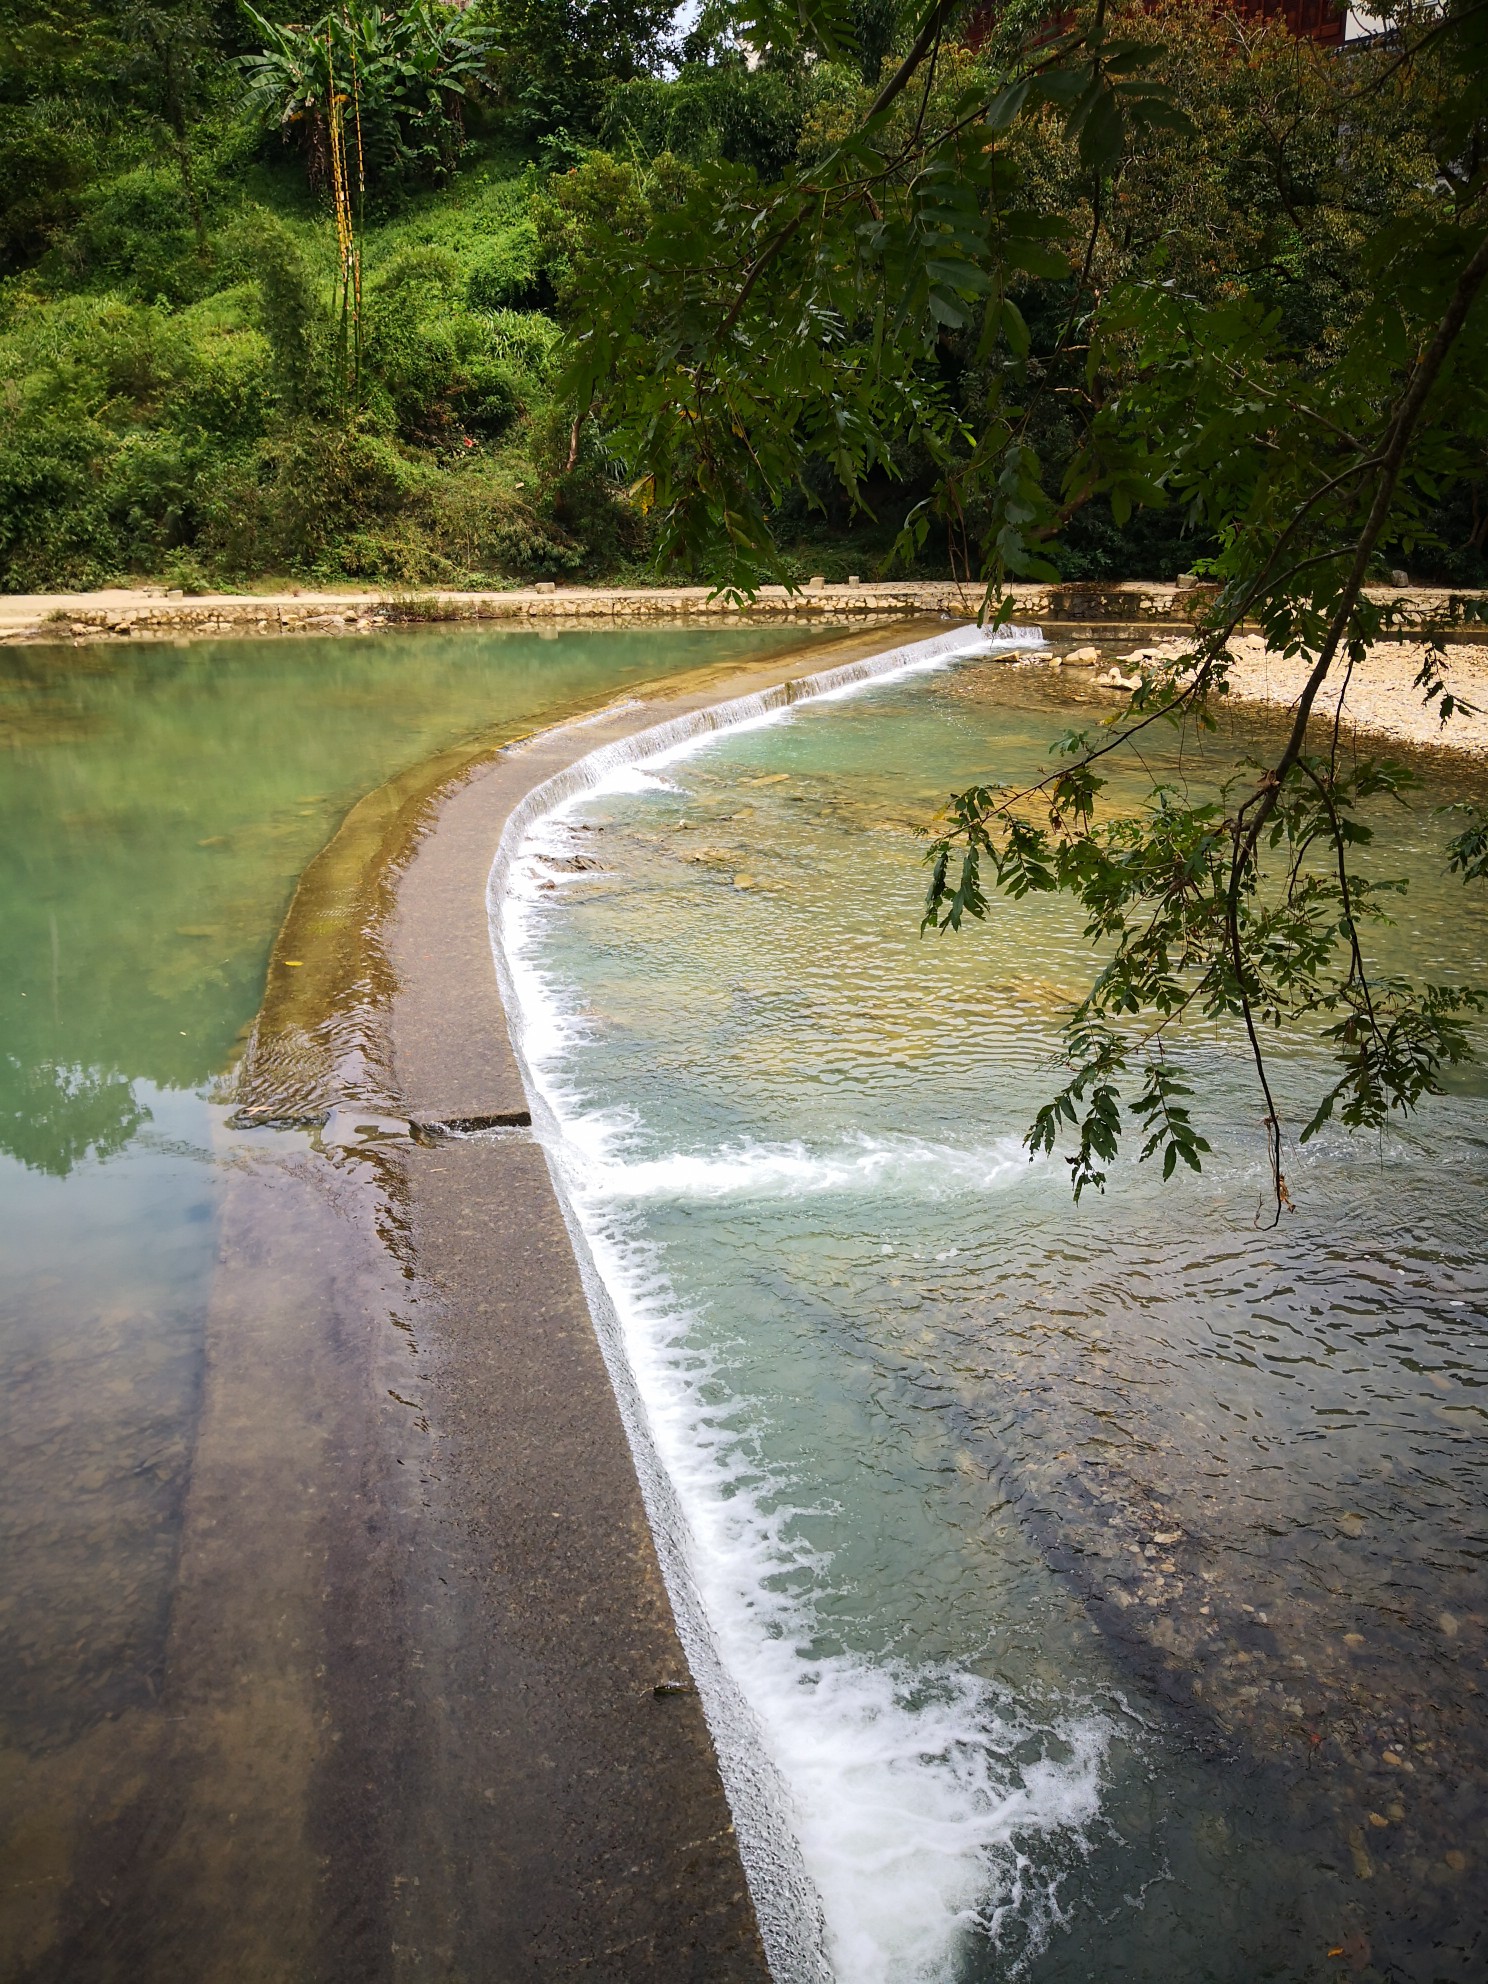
(396, 75)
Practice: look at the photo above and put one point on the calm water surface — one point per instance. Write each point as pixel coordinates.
(1106, 1582)
(157, 804)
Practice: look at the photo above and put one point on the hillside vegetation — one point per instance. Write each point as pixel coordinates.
(226, 358)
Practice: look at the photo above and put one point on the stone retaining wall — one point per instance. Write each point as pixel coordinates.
(156, 613)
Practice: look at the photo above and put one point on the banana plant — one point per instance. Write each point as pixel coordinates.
(399, 75)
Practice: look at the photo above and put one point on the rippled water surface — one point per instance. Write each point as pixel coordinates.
(1106, 1581)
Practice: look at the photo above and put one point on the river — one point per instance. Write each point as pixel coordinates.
(1091, 1591)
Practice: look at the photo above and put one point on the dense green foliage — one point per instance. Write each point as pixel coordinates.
(186, 416)
(172, 364)
(394, 78)
(178, 399)
(948, 267)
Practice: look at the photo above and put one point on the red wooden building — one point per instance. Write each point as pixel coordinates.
(1319, 20)
(1324, 21)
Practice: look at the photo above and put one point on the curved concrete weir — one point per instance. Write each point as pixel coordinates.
(431, 1660)
(788, 1911)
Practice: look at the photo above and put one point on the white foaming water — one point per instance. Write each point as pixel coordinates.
(903, 1165)
(911, 1814)
(611, 770)
(635, 778)
(883, 1815)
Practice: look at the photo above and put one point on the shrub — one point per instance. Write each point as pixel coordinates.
(228, 392)
(489, 399)
(132, 360)
(293, 314)
(507, 280)
(488, 531)
(748, 119)
(48, 153)
(137, 235)
(289, 502)
(438, 371)
(81, 504)
(560, 58)
(55, 522)
(526, 339)
(426, 269)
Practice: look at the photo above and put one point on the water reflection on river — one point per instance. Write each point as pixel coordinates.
(1108, 1580)
(182, 1429)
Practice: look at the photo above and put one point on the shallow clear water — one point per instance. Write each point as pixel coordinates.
(1106, 1582)
(157, 804)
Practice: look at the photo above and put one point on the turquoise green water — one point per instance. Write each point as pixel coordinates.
(157, 804)
(1106, 1583)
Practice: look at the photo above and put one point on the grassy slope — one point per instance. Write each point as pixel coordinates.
(176, 414)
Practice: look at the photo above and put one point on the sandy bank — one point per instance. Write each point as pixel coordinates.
(1382, 698)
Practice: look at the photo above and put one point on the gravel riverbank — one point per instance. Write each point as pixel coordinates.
(1382, 698)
